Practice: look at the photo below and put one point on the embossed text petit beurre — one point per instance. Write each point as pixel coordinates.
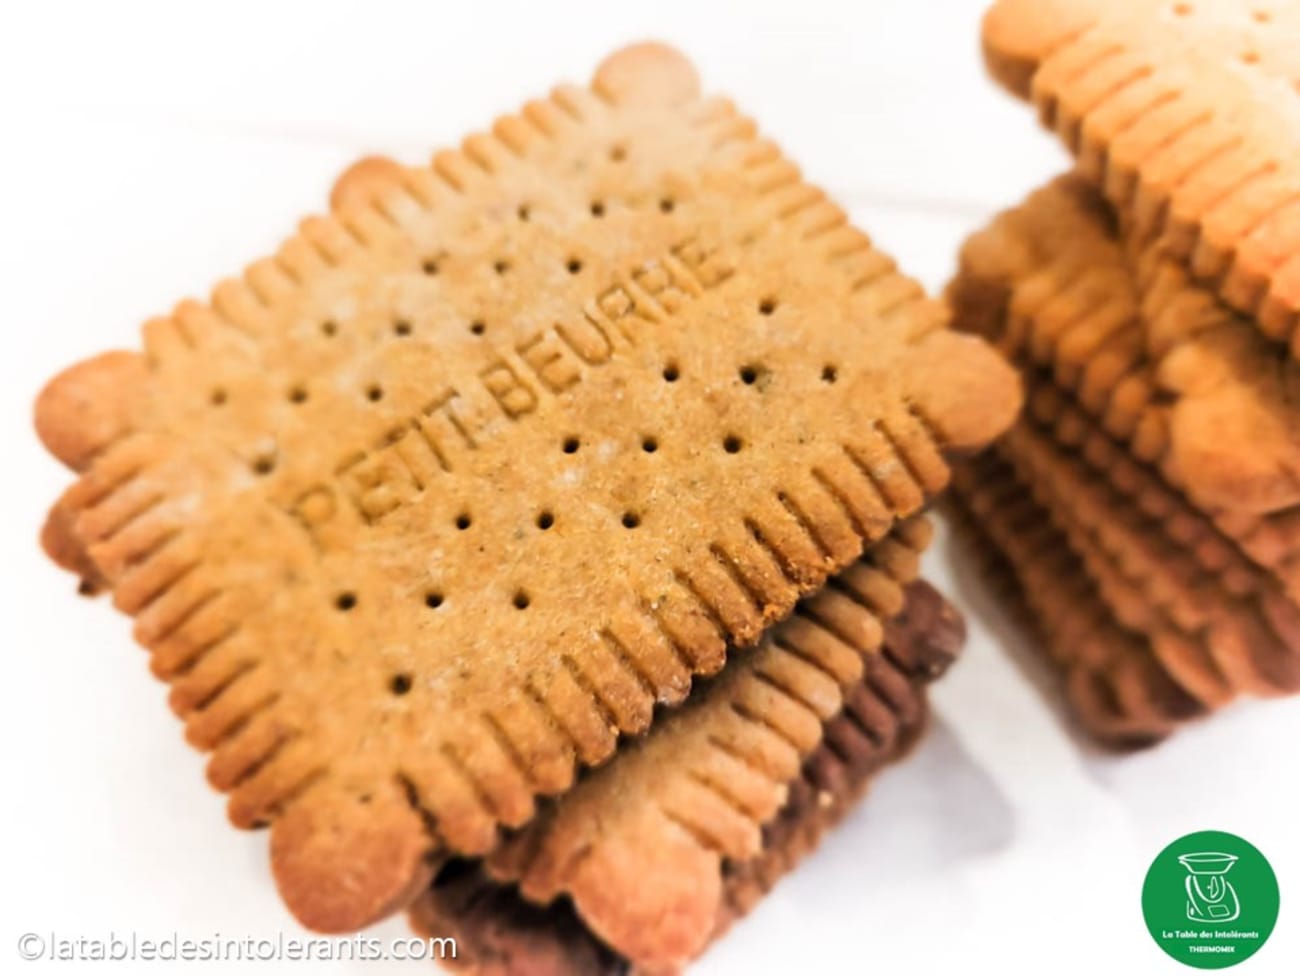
(424, 511)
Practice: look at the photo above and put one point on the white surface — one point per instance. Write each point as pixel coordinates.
(152, 149)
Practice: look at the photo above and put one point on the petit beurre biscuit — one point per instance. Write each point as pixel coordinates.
(1192, 388)
(425, 511)
(1162, 442)
(1223, 642)
(1187, 114)
(1212, 643)
(1113, 681)
(1183, 383)
(505, 929)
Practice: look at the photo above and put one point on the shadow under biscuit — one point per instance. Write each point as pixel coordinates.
(908, 832)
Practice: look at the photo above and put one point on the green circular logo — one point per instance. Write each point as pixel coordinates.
(1210, 900)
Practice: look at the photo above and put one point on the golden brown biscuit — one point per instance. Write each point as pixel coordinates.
(1238, 561)
(426, 510)
(1044, 277)
(500, 932)
(1113, 680)
(1216, 644)
(1191, 387)
(1061, 418)
(1231, 387)
(1186, 113)
(639, 845)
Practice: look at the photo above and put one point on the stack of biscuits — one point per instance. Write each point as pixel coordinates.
(534, 539)
(1148, 502)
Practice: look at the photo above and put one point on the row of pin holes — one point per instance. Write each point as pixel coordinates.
(501, 266)
(617, 153)
(596, 208)
(1250, 55)
(1259, 14)
(347, 601)
(375, 393)
(731, 443)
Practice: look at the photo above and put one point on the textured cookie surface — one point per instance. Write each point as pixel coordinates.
(1215, 642)
(639, 844)
(1113, 680)
(1235, 426)
(1187, 112)
(423, 511)
(1193, 388)
(501, 933)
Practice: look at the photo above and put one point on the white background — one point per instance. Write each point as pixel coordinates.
(152, 148)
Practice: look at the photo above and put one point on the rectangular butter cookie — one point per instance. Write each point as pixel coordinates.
(1190, 387)
(1215, 642)
(1187, 113)
(1114, 683)
(1164, 368)
(423, 512)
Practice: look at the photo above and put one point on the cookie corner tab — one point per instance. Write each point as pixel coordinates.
(85, 408)
(647, 73)
(1016, 35)
(346, 864)
(359, 182)
(671, 921)
(970, 393)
